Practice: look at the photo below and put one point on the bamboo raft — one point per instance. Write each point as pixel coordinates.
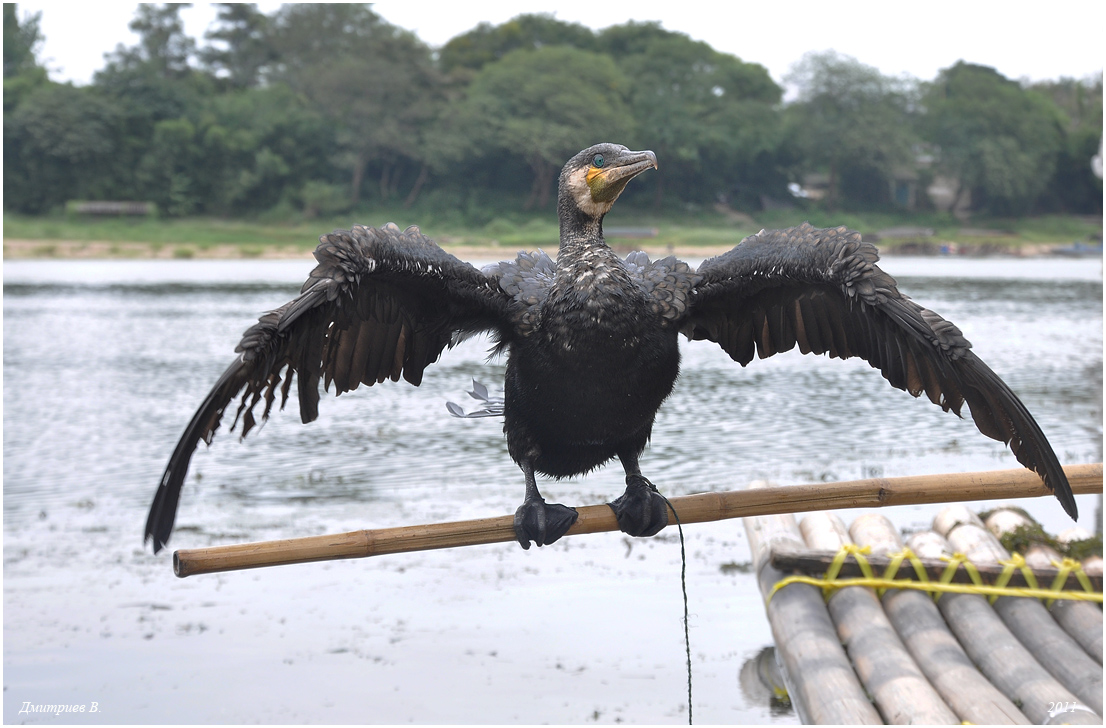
(897, 658)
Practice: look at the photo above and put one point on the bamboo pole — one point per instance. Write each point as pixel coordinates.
(901, 692)
(820, 680)
(1028, 619)
(1084, 625)
(699, 508)
(999, 655)
(924, 632)
(1081, 620)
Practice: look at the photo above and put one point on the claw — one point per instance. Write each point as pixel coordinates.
(641, 511)
(541, 522)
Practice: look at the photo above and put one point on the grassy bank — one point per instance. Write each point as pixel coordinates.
(700, 230)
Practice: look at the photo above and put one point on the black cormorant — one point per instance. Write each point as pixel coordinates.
(591, 339)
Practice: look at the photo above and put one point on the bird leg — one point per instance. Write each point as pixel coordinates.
(538, 521)
(641, 511)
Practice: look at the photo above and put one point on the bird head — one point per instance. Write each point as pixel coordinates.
(593, 179)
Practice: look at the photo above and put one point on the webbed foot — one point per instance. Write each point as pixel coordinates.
(541, 522)
(641, 511)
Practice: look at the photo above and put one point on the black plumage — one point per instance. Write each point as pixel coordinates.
(591, 339)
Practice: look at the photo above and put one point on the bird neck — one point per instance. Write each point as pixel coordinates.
(583, 251)
(579, 229)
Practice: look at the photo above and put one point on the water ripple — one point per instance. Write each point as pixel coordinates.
(102, 374)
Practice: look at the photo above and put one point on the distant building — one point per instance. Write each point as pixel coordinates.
(942, 193)
(905, 187)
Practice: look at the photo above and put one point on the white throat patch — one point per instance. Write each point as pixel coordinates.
(578, 186)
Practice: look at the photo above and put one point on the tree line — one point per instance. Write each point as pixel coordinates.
(322, 108)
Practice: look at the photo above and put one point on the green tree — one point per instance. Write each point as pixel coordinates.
(154, 76)
(541, 106)
(487, 43)
(262, 146)
(168, 169)
(163, 48)
(244, 49)
(708, 115)
(1074, 187)
(999, 140)
(22, 73)
(633, 37)
(376, 82)
(21, 41)
(1079, 99)
(146, 85)
(851, 121)
(56, 145)
(238, 153)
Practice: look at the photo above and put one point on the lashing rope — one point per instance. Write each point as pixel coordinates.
(830, 583)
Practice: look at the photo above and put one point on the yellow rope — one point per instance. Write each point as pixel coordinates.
(842, 554)
(896, 562)
(830, 582)
(955, 561)
(1066, 567)
(1017, 561)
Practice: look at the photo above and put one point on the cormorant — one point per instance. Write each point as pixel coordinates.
(591, 339)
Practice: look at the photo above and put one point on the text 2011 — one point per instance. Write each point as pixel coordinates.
(1054, 708)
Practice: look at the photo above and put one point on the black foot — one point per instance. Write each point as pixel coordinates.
(541, 522)
(640, 510)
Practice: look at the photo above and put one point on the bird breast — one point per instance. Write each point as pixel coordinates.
(595, 308)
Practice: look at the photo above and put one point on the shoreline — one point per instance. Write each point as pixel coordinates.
(21, 249)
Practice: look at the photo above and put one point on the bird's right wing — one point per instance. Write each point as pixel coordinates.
(380, 304)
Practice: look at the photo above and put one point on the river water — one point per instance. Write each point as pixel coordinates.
(105, 361)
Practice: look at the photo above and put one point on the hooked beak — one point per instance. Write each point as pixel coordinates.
(607, 183)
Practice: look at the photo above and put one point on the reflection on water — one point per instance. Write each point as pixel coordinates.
(105, 362)
(762, 683)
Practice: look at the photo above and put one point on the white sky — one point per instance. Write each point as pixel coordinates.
(1022, 40)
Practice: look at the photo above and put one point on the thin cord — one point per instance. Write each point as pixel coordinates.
(683, 586)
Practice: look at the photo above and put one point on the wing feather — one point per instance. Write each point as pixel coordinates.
(822, 290)
(376, 333)
(380, 304)
(795, 312)
(387, 352)
(821, 337)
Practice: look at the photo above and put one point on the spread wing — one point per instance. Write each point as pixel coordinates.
(821, 290)
(380, 304)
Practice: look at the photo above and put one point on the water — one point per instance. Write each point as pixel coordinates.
(105, 362)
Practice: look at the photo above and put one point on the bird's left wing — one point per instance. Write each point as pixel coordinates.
(380, 304)
(822, 291)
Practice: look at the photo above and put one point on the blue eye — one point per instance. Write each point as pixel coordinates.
(597, 160)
